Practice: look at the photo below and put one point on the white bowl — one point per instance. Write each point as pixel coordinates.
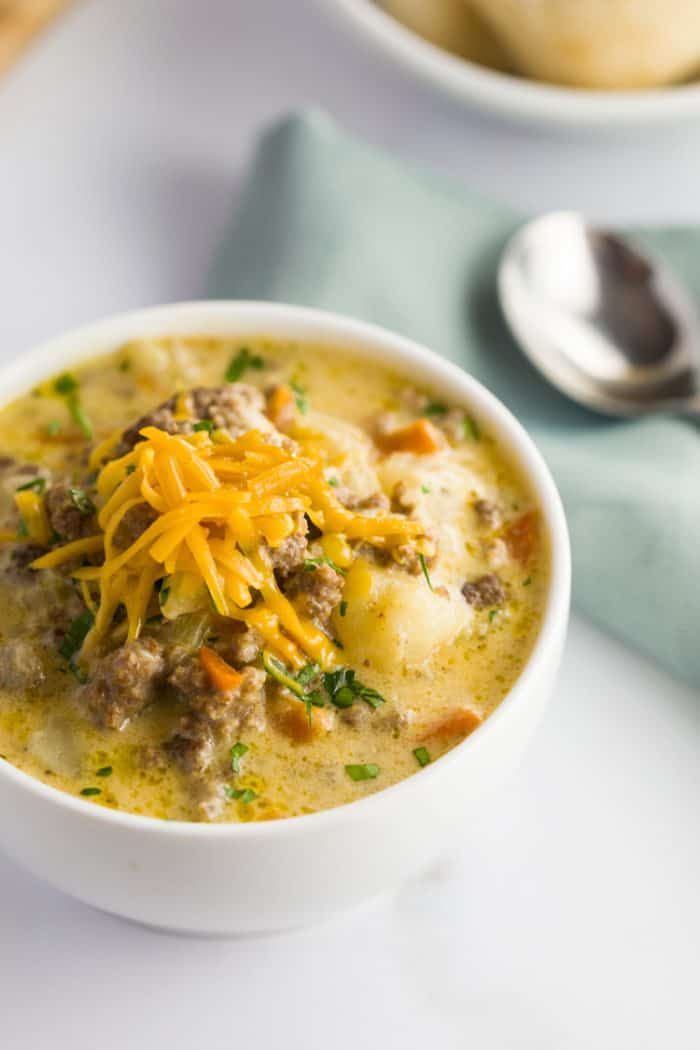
(241, 878)
(509, 96)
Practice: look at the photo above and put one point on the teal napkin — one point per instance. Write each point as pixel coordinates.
(327, 221)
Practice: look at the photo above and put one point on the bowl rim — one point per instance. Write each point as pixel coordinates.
(361, 339)
(510, 96)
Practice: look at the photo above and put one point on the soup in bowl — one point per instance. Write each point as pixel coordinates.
(259, 563)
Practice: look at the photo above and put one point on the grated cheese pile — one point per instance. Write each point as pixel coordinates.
(220, 504)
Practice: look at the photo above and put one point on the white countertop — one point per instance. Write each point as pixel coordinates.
(568, 917)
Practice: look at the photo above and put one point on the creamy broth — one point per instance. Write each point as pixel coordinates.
(436, 629)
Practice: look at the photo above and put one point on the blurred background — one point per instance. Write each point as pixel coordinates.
(126, 128)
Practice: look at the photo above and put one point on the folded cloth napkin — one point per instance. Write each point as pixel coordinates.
(328, 221)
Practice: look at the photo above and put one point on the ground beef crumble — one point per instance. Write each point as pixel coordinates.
(485, 592)
(124, 683)
(65, 517)
(317, 590)
(213, 714)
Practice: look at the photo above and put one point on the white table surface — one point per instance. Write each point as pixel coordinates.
(568, 916)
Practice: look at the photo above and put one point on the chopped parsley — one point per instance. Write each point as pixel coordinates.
(365, 771)
(53, 427)
(435, 408)
(241, 362)
(82, 502)
(424, 488)
(424, 568)
(333, 482)
(300, 398)
(527, 582)
(75, 636)
(88, 792)
(66, 384)
(237, 752)
(104, 771)
(422, 756)
(277, 670)
(311, 564)
(37, 485)
(245, 795)
(343, 608)
(307, 674)
(492, 615)
(163, 594)
(78, 673)
(471, 428)
(344, 688)
(124, 365)
(130, 469)
(204, 424)
(78, 415)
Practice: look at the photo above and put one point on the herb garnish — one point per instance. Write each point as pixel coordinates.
(35, 485)
(422, 756)
(104, 771)
(435, 408)
(75, 635)
(91, 791)
(527, 582)
(237, 752)
(242, 361)
(343, 688)
(424, 488)
(311, 564)
(67, 386)
(308, 673)
(471, 428)
(163, 594)
(130, 469)
(365, 771)
(333, 482)
(296, 684)
(424, 567)
(204, 424)
(82, 502)
(245, 795)
(300, 398)
(53, 427)
(277, 670)
(492, 615)
(343, 608)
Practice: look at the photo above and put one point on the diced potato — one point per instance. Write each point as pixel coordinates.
(400, 621)
(348, 450)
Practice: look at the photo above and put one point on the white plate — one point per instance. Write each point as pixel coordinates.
(513, 97)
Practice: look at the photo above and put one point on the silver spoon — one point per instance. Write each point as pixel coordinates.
(602, 322)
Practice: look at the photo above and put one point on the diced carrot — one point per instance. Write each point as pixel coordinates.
(290, 717)
(420, 437)
(221, 674)
(458, 724)
(280, 405)
(522, 536)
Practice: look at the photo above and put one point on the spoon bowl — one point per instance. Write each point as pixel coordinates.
(606, 325)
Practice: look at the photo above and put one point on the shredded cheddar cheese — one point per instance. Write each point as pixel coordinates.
(219, 505)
